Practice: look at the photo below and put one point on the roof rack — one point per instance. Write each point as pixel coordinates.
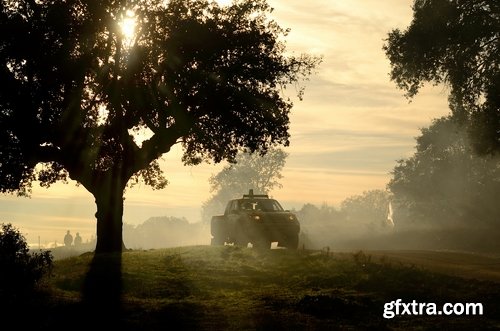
(250, 195)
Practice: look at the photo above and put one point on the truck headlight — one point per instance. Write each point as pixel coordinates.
(256, 218)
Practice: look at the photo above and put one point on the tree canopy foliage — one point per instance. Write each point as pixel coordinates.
(455, 42)
(444, 182)
(78, 93)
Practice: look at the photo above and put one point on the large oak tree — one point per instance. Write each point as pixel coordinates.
(455, 42)
(76, 91)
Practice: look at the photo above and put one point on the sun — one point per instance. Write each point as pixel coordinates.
(128, 26)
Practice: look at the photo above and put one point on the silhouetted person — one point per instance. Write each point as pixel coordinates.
(68, 239)
(78, 239)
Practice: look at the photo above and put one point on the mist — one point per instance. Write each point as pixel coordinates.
(165, 232)
(333, 231)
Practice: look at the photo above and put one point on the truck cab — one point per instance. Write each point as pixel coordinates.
(255, 219)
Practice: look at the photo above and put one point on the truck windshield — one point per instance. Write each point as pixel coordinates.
(261, 205)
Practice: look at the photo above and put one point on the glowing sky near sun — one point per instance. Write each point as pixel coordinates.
(346, 134)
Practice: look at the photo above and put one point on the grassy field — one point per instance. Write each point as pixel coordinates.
(234, 288)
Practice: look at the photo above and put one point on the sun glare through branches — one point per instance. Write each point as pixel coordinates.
(128, 26)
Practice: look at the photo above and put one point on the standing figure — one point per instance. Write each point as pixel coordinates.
(78, 239)
(68, 239)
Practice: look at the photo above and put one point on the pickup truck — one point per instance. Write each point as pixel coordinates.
(255, 219)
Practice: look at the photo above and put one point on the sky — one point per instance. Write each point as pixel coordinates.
(346, 134)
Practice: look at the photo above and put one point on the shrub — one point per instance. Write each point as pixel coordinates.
(20, 270)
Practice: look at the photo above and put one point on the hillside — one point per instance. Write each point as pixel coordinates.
(233, 288)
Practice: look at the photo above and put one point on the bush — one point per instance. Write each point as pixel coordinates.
(20, 270)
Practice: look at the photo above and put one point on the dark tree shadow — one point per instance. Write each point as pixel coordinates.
(102, 289)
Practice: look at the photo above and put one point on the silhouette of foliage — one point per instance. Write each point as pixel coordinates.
(92, 104)
(20, 270)
(444, 182)
(456, 43)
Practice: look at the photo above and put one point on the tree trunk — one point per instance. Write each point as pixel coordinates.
(108, 196)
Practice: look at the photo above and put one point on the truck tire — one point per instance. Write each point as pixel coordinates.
(292, 242)
(262, 244)
(242, 240)
(218, 231)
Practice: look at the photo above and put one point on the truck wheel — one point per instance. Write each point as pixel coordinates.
(292, 242)
(262, 244)
(241, 240)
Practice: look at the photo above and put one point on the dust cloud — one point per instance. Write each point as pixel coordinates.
(164, 232)
(322, 230)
